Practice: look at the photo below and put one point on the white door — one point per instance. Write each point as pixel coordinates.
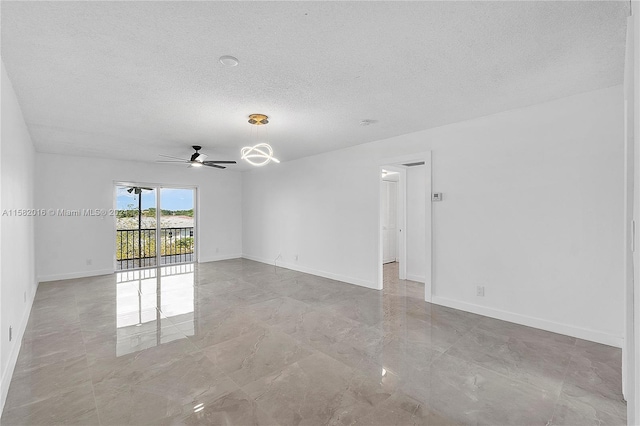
(389, 221)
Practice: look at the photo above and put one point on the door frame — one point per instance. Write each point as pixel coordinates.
(157, 187)
(397, 163)
(631, 346)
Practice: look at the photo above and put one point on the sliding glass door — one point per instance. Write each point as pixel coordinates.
(155, 225)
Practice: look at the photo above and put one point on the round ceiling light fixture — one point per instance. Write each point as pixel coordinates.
(258, 155)
(229, 61)
(258, 119)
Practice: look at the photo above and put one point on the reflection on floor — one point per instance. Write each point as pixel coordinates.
(149, 300)
(242, 343)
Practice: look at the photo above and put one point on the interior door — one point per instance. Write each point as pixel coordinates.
(389, 221)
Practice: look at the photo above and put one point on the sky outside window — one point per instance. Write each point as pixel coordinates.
(172, 199)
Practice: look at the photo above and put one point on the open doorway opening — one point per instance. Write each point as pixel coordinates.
(392, 220)
(405, 221)
(390, 207)
(155, 225)
(393, 245)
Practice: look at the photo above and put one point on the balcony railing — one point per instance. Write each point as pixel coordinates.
(137, 248)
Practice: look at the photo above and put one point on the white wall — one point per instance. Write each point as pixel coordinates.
(65, 243)
(533, 211)
(17, 279)
(416, 183)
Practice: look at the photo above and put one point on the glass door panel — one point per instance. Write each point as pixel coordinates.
(136, 226)
(177, 225)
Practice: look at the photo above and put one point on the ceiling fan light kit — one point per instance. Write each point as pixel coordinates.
(197, 156)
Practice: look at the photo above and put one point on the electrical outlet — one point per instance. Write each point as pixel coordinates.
(10, 333)
(89, 262)
(480, 291)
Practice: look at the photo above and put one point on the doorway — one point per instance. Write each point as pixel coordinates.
(404, 248)
(155, 225)
(389, 216)
(393, 260)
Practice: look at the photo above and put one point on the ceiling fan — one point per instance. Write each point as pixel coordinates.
(196, 160)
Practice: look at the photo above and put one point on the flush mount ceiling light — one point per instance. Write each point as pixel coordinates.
(260, 154)
(258, 119)
(228, 61)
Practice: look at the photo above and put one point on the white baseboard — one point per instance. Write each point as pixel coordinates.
(72, 275)
(7, 374)
(416, 278)
(203, 259)
(85, 274)
(555, 327)
(307, 270)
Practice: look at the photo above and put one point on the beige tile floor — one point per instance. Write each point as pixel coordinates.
(243, 343)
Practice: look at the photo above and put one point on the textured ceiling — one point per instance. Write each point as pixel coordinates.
(135, 79)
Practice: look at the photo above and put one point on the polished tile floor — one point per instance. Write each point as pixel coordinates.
(243, 343)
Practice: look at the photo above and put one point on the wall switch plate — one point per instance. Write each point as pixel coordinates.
(480, 291)
(436, 196)
(10, 333)
(296, 257)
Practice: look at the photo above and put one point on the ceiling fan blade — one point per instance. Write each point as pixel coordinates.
(171, 156)
(219, 162)
(214, 165)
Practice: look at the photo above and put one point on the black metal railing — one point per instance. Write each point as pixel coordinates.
(136, 248)
(176, 243)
